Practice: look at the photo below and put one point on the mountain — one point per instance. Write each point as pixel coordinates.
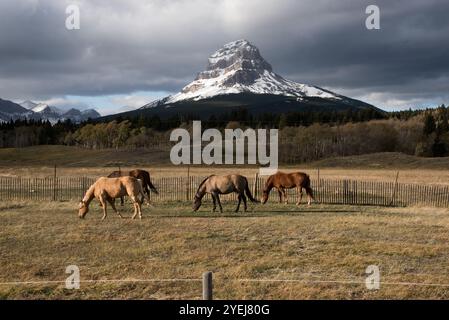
(237, 76)
(239, 68)
(40, 111)
(10, 110)
(90, 114)
(46, 112)
(78, 116)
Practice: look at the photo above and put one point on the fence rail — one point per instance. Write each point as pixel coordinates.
(351, 192)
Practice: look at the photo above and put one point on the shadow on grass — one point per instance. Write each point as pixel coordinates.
(12, 207)
(249, 214)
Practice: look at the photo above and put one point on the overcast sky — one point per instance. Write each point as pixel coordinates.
(129, 52)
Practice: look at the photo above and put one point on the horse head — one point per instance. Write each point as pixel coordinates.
(264, 198)
(83, 209)
(196, 203)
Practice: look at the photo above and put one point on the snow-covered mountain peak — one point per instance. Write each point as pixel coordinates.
(28, 104)
(238, 67)
(45, 108)
(240, 54)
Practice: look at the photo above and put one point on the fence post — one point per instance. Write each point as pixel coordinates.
(393, 195)
(188, 184)
(54, 184)
(207, 285)
(345, 192)
(256, 181)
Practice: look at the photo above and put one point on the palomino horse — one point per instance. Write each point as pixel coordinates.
(107, 189)
(216, 185)
(282, 181)
(140, 174)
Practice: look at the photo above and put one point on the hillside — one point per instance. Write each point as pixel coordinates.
(79, 157)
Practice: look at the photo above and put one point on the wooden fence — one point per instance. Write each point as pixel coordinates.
(353, 192)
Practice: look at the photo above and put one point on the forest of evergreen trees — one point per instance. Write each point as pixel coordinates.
(321, 134)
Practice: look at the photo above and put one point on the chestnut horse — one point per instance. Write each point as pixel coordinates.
(282, 181)
(140, 174)
(216, 185)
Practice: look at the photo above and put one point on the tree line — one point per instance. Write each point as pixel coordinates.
(304, 136)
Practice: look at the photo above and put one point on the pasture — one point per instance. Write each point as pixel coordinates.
(270, 252)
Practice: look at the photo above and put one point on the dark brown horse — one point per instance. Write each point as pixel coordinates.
(282, 181)
(140, 174)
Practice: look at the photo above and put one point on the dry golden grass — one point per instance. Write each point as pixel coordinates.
(321, 243)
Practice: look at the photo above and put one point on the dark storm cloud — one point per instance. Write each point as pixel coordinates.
(134, 45)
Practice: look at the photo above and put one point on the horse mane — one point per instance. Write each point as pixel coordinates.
(203, 182)
(89, 195)
(115, 174)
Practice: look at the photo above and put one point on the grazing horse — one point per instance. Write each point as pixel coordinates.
(140, 174)
(216, 185)
(107, 189)
(282, 181)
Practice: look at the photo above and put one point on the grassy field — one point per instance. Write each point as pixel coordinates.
(325, 248)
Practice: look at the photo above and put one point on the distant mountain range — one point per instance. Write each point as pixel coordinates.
(40, 111)
(237, 76)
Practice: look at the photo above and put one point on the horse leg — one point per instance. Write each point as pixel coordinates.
(284, 193)
(139, 208)
(280, 195)
(147, 191)
(112, 203)
(299, 196)
(215, 203)
(238, 204)
(103, 204)
(136, 211)
(245, 207)
(122, 202)
(219, 203)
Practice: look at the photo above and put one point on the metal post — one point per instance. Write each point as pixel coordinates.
(207, 285)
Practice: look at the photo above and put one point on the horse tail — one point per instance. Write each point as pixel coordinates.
(307, 186)
(152, 187)
(142, 192)
(248, 192)
(149, 183)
